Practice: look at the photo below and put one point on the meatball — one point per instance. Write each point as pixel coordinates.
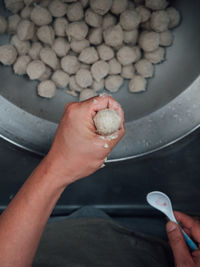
(8, 54)
(57, 8)
(60, 78)
(89, 55)
(137, 84)
(35, 69)
(84, 78)
(46, 89)
(20, 65)
(129, 20)
(126, 55)
(100, 70)
(107, 121)
(113, 83)
(87, 94)
(149, 41)
(41, 16)
(145, 68)
(70, 64)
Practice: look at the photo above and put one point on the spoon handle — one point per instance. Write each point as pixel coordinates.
(189, 241)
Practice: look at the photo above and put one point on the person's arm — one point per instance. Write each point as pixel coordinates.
(182, 256)
(76, 152)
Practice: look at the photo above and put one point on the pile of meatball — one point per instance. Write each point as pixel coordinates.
(86, 46)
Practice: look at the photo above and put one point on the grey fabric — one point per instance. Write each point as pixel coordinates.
(91, 242)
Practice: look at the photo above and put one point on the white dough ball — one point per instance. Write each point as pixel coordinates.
(61, 47)
(57, 8)
(3, 25)
(109, 20)
(78, 46)
(105, 52)
(126, 55)
(26, 12)
(25, 30)
(14, 5)
(95, 36)
(77, 30)
(13, 22)
(60, 78)
(41, 16)
(144, 13)
(130, 20)
(137, 84)
(113, 36)
(46, 34)
(35, 69)
(128, 71)
(174, 17)
(131, 37)
(166, 38)
(48, 56)
(93, 19)
(97, 86)
(60, 25)
(34, 51)
(21, 46)
(46, 89)
(89, 55)
(8, 54)
(84, 78)
(84, 3)
(114, 66)
(156, 56)
(73, 84)
(107, 121)
(46, 75)
(87, 94)
(145, 68)
(149, 41)
(156, 4)
(113, 83)
(138, 52)
(101, 7)
(100, 70)
(20, 65)
(70, 64)
(75, 12)
(119, 6)
(159, 21)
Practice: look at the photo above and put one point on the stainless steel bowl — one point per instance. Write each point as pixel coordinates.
(169, 110)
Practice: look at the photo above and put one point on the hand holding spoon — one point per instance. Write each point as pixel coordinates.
(161, 202)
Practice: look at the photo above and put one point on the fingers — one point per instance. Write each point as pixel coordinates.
(190, 225)
(180, 250)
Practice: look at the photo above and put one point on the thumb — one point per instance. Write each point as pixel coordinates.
(179, 247)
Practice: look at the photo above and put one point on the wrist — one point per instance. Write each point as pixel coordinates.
(56, 168)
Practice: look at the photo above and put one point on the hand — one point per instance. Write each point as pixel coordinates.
(77, 149)
(182, 255)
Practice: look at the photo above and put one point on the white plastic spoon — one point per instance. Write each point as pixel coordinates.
(161, 202)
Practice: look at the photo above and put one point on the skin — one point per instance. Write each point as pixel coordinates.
(182, 256)
(76, 143)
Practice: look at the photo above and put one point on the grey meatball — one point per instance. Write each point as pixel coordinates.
(8, 54)
(60, 78)
(20, 65)
(70, 64)
(145, 68)
(46, 89)
(35, 69)
(149, 41)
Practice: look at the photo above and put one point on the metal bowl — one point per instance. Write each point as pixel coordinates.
(166, 112)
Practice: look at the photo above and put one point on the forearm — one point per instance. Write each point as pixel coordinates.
(22, 223)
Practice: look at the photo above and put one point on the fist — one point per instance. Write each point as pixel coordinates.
(77, 148)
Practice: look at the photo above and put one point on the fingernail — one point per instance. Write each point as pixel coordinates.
(171, 227)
